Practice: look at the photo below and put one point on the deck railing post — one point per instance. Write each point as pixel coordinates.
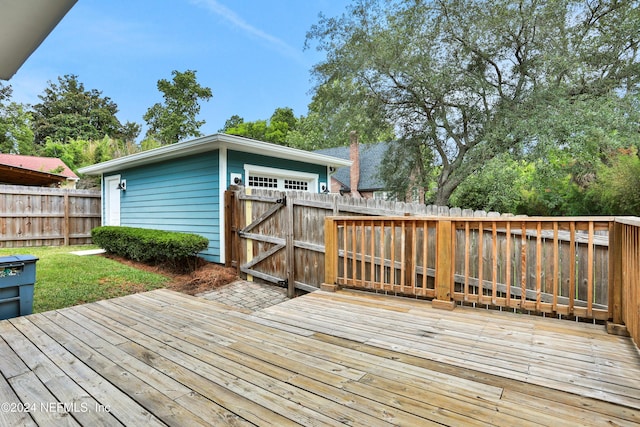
(409, 255)
(444, 265)
(230, 229)
(290, 246)
(330, 255)
(615, 324)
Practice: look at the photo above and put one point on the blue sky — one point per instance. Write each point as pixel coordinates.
(249, 52)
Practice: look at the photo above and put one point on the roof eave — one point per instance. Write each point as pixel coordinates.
(24, 25)
(210, 143)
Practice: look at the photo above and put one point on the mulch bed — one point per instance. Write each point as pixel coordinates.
(207, 276)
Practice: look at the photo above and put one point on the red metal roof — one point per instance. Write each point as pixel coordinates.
(40, 164)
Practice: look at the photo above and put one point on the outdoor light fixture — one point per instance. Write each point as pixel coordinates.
(236, 179)
(122, 185)
(323, 188)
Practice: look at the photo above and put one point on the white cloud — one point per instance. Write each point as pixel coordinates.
(238, 22)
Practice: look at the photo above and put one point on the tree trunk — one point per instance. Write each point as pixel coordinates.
(442, 197)
(447, 183)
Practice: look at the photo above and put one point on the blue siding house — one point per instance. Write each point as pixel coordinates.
(180, 187)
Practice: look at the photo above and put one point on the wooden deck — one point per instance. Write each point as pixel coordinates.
(163, 358)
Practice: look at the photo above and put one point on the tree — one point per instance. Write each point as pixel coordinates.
(275, 130)
(616, 186)
(232, 122)
(499, 187)
(175, 119)
(309, 134)
(339, 107)
(468, 80)
(254, 130)
(284, 115)
(16, 135)
(68, 111)
(319, 129)
(130, 131)
(77, 153)
(404, 174)
(5, 92)
(282, 122)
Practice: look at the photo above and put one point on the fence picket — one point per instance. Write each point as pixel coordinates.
(42, 216)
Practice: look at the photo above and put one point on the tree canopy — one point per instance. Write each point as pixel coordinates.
(176, 118)
(68, 111)
(341, 106)
(462, 81)
(275, 130)
(16, 135)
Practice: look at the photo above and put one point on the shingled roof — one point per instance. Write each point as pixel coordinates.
(39, 171)
(371, 156)
(51, 165)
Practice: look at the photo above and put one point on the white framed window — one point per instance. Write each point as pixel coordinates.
(280, 179)
(296, 184)
(259, 181)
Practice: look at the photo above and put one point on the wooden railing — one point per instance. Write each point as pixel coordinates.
(625, 293)
(560, 266)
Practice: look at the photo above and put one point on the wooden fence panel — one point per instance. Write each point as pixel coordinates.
(301, 224)
(40, 216)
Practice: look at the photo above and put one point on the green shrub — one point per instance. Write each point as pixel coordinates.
(149, 246)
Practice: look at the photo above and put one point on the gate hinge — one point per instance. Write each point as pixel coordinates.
(283, 283)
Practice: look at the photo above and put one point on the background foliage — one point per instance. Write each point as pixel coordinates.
(472, 80)
(528, 106)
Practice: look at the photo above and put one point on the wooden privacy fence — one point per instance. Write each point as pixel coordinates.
(39, 216)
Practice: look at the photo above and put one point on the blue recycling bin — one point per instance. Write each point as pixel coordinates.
(17, 278)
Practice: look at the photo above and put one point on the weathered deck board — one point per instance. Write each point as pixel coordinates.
(163, 358)
(523, 357)
(545, 361)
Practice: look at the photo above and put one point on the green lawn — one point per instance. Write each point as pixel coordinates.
(63, 279)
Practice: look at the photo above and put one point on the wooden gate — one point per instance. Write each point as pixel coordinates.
(257, 244)
(277, 243)
(278, 236)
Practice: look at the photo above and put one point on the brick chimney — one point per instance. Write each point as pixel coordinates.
(354, 156)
